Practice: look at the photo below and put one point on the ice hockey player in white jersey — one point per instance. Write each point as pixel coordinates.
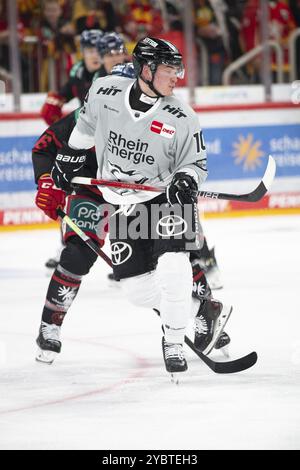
(143, 134)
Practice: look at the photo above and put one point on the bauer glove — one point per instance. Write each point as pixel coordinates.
(49, 198)
(67, 165)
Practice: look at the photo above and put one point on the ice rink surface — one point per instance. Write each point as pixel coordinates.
(108, 389)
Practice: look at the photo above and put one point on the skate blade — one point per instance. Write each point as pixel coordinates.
(223, 319)
(113, 284)
(175, 377)
(46, 357)
(225, 351)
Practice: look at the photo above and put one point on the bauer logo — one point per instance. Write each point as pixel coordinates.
(120, 252)
(70, 158)
(163, 129)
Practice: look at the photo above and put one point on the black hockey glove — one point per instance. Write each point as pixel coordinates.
(67, 165)
(183, 189)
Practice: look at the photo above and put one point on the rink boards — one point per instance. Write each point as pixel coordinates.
(238, 141)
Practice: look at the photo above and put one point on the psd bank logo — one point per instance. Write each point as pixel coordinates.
(247, 152)
(85, 214)
(171, 226)
(120, 252)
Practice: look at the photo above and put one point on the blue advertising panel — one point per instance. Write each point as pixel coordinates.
(16, 172)
(233, 153)
(242, 152)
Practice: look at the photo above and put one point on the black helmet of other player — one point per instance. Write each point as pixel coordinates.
(90, 37)
(153, 51)
(124, 70)
(110, 43)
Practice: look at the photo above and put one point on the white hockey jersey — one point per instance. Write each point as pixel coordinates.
(138, 147)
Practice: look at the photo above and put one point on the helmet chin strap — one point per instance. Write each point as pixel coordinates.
(150, 84)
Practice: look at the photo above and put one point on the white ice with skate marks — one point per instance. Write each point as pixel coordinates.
(108, 388)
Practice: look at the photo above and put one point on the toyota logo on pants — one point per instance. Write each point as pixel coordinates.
(171, 225)
(120, 252)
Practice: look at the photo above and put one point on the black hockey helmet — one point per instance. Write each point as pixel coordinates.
(110, 43)
(89, 37)
(154, 51)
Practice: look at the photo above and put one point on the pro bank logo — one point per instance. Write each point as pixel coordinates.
(247, 152)
(120, 252)
(163, 129)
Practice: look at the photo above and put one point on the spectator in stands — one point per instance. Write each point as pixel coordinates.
(281, 24)
(174, 16)
(94, 14)
(4, 51)
(57, 37)
(234, 17)
(295, 9)
(211, 23)
(5, 66)
(54, 27)
(139, 19)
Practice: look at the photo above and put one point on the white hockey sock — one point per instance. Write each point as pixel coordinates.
(168, 289)
(174, 274)
(142, 290)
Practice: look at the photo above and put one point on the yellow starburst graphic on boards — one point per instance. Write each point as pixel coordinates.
(248, 151)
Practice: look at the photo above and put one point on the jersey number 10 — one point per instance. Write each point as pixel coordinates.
(199, 141)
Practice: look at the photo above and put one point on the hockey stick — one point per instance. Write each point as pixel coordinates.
(229, 367)
(253, 196)
(93, 246)
(226, 367)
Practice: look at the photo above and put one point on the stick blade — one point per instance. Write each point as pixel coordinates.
(226, 367)
(238, 365)
(269, 173)
(265, 183)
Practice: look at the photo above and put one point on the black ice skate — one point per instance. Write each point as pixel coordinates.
(211, 269)
(174, 357)
(209, 324)
(223, 341)
(222, 344)
(52, 263)
(48, 342)
(112, 279)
